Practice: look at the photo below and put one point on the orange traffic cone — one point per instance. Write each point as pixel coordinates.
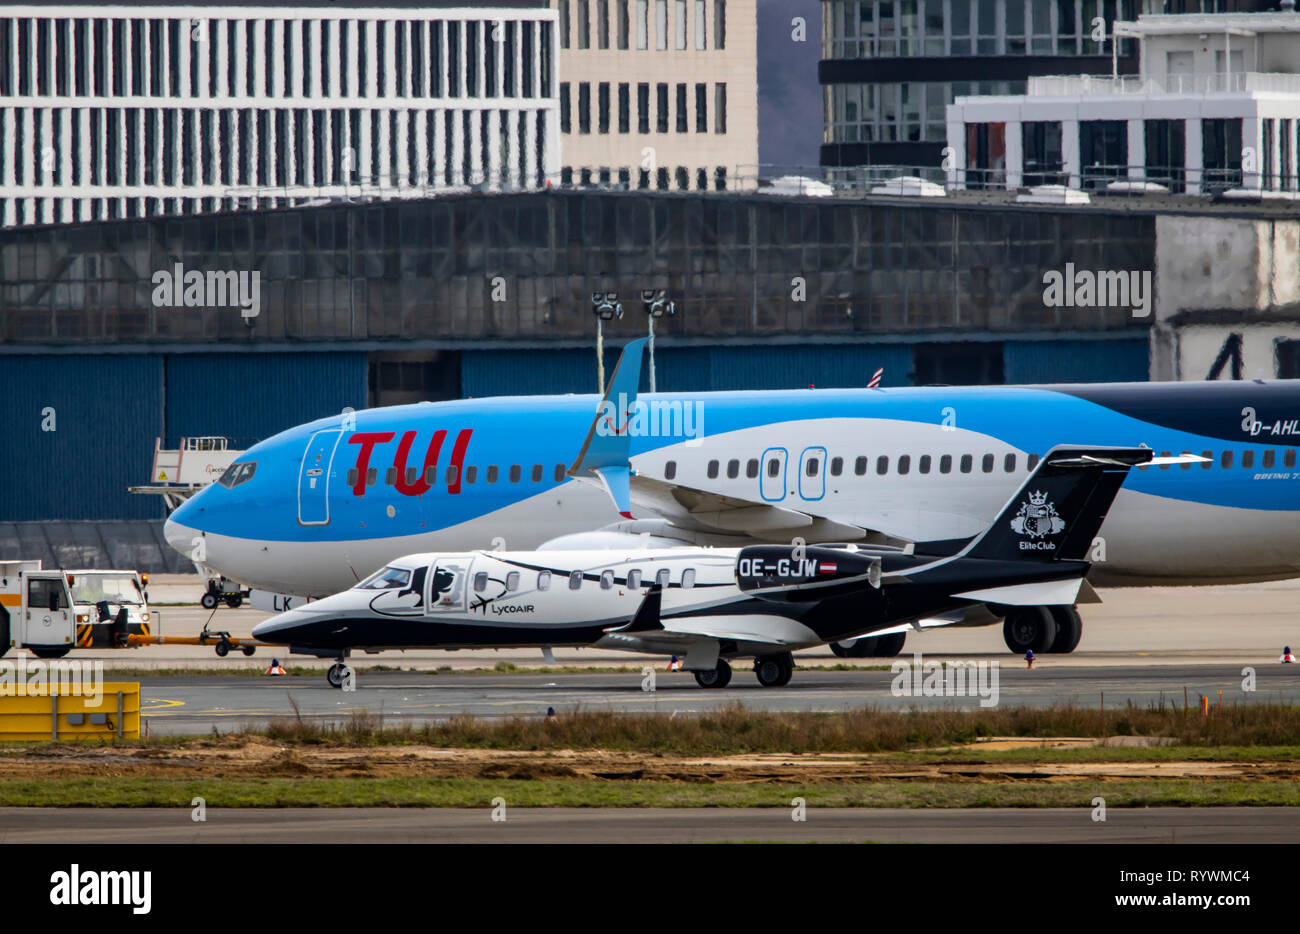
(276, 668)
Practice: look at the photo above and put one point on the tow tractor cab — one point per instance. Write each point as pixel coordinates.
(52, 611)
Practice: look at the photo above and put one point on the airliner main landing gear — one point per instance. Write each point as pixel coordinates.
(774, 671)
(1029, 628)
(1069, 629)
(718, 677)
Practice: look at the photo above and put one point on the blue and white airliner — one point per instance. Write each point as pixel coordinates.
(317, 508)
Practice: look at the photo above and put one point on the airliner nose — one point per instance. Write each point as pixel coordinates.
(180, 536)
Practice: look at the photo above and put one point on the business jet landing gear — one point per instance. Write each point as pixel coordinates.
(718, 677)
(1029, 627)
(1069, 629)
(338, 674)
(774, 671)
(871, 646)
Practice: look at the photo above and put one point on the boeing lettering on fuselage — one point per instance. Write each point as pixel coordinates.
(332, 500)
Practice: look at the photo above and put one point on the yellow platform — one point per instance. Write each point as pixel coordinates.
(33, 713)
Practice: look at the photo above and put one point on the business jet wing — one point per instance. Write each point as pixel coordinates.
(647, 628)
(604, 460)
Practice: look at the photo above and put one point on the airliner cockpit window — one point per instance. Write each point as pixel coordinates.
(388, 578)
(239, 473)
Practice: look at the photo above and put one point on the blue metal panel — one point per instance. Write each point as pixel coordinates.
(249, 397)
(532, 372)
(1076, 361)
(826, 366)
(106, 412)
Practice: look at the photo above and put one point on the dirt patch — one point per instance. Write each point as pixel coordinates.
(237, 757)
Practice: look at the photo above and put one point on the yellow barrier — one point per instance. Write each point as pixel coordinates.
(37, 714)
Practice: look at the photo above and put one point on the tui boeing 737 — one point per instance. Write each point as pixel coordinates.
(319, 507)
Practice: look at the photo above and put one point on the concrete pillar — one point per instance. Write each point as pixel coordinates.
(956, 155)
(1252, 142)
(1070, 153)
(1015, 140)
(1195, 162)
(1137, 150)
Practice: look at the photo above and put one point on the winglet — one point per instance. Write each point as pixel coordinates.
(604, 454)
(647, 614)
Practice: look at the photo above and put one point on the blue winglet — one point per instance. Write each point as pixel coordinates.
(604, 454)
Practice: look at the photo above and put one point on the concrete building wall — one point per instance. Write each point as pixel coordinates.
(693, 44)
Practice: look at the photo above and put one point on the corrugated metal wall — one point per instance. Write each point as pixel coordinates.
(107, 411)
(1076, 361)
(687, 369)
(249, 397)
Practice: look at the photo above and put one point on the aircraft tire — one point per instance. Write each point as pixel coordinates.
(774, 671)
(888, 646)
(234, 602)
(208, 601)
(718, 677)
(337, 674)
(840, 651)
(1029, 627)
(863, 647)
(249, 649)
(1069, 629)
(51, 652)
(222, 649)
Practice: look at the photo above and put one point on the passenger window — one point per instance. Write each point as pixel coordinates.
(492, 474)
(606, 580)
(537, 473)
(1186, 465)
(1164, 454)
(733, 469)
(1267, 462)
(713, 470)
(1226, 460)
(1288, 459)
(543, 580)
(945, 463)
(688, 578)
(515, 473)
(751, 468)
(471, 473)
(882, 464)
(1009, 463)
(352, 477)
(559, 473)
(390, 476)
(987, 463)
(837, 466)
(453, 474)
(966, 462)
(662, 578)
(860, 466)
(1033, 461)
(410, 476)
(774, 467)
(811, 466)
(904, 463)
(512, 580)
(480, 581)
(670, 470)
(634, 579)
(923, 465)
(372, 475)
(1247, 459)
(1209, 460)
(431, 475)
(575, 580)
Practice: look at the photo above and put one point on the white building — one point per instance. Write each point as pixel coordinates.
(129, 111)
(1216, 105)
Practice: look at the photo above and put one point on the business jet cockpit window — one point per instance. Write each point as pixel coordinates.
(238, 473)
(388, 578)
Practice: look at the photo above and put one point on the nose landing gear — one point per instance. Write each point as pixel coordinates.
(339, 674)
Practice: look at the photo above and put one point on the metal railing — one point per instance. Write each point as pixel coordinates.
(1239, 82)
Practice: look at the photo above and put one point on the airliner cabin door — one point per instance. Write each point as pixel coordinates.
(314, 477)
(446, 584)
(812, 473)
(771, 482)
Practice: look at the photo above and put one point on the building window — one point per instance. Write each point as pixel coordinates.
(584, 107)
(701, 108)
(603, 102)
(564, 24)
(700, 19)
(643, 108)
(565, 115)
(680, 11)
(661, 179)
(642, 25)
(584, 24)
(719, 108)
(661, 92)
(622, 24)
(661, 24)
(681, 109)
(719, 24)
(624, 109)
(602, 23)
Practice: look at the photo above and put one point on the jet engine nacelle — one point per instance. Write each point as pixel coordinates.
(784, 574)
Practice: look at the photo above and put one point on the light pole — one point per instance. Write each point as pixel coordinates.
(606, 307)
(656, 306)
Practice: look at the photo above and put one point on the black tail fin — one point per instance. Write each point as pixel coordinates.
(1058, 511)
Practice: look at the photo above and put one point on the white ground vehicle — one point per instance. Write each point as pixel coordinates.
(50, 612)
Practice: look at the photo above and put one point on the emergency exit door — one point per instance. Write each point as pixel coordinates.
(314, 477)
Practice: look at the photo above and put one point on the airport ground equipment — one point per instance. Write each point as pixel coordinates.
(60, 709)
(51, 611)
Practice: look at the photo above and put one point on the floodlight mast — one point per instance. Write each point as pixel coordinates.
(606, 307)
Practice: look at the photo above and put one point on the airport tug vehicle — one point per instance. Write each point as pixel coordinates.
(52, 611)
